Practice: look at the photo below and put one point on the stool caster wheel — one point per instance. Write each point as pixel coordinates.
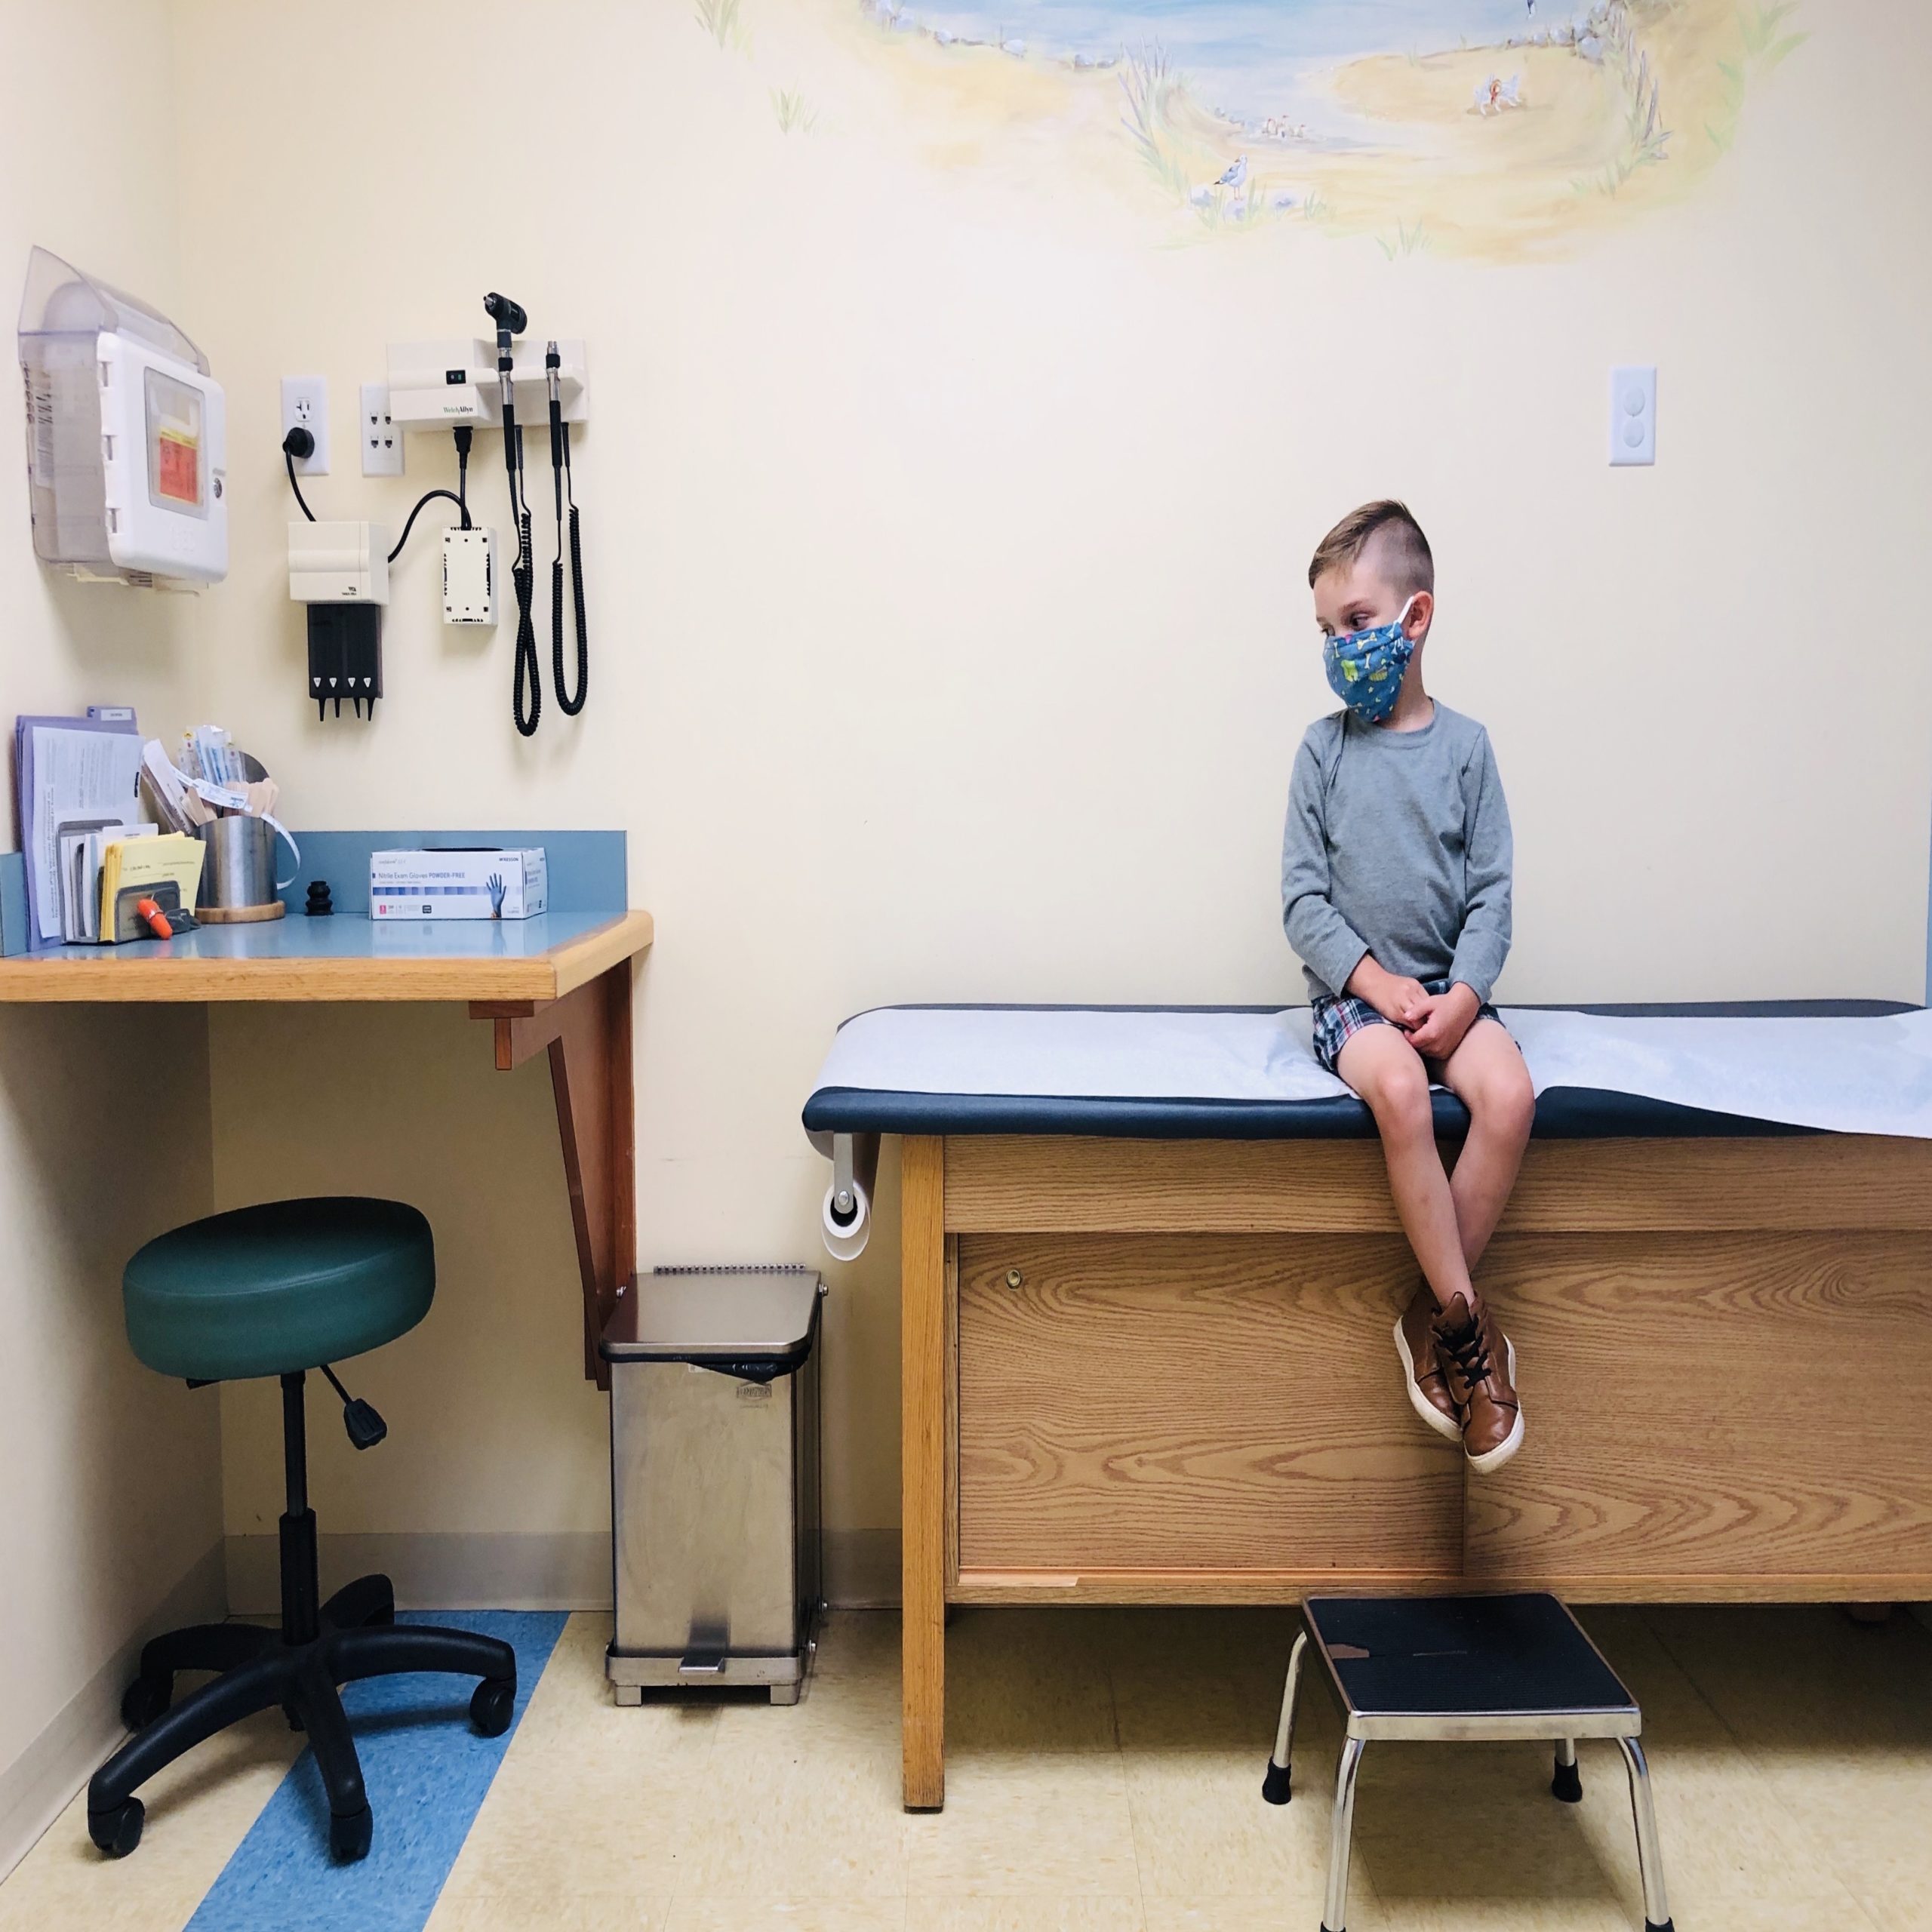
(146, 1699)
(349, 1837)
(490, 1706)
(1276, 1786)
(117, 1833)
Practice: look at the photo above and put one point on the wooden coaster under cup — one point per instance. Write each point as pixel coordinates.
(238, 916)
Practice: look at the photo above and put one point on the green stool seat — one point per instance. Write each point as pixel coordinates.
(285, 1286)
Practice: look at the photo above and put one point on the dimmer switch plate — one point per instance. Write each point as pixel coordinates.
(1633, 416)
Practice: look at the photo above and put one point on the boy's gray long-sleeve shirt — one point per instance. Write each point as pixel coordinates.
(1398, 844)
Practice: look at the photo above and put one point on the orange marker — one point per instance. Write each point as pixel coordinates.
(156, 920)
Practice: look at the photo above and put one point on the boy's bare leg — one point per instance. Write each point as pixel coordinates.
(1387, 1073)
(1487, 1073)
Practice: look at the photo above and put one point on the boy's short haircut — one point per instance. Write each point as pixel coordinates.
(1401, 551)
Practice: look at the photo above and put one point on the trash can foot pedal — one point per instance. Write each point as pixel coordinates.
(702, 1663)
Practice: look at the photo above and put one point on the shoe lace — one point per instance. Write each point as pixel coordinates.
(1470, 1352)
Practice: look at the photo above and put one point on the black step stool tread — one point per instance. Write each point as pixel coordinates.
(1456, 1656)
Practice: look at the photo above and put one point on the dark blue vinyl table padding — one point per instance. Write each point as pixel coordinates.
(1562, 1113)
(283, 1286)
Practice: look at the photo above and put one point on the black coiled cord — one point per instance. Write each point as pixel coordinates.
(568, 705)
(529, 682)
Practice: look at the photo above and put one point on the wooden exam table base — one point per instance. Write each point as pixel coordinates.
(1161, 1372)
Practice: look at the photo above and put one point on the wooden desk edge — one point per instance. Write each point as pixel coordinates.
(26, 980)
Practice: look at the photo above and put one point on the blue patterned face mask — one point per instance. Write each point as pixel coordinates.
(1365, 667)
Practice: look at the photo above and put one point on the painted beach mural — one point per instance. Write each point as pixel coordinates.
(1489, 128)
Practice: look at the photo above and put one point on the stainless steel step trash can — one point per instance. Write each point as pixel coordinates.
(714, 1479)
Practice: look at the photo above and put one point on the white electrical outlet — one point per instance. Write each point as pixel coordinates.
(305, 405)
(1633, 416)
(382, 441)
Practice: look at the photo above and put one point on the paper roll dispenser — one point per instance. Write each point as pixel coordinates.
(126, 452)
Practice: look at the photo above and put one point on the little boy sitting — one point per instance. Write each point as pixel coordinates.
(1395, 893)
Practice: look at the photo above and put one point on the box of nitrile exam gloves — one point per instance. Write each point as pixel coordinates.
(473, 882)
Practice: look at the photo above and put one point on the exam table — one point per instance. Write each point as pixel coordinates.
(1150, 1274)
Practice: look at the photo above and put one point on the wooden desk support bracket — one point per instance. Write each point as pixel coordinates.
(588, 1034)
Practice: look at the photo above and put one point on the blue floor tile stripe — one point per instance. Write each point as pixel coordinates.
(427, 1774)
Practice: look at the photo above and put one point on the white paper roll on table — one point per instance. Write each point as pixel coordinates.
(845, 1240)
(845, 1219)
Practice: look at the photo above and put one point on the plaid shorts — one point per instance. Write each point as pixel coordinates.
(1337, 1019)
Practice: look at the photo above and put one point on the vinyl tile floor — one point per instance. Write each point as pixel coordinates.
(1104, 1775)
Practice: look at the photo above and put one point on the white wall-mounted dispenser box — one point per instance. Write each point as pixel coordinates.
(126, 436)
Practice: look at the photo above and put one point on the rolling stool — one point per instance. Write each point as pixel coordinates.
(1470, 1669)
(277, 1290)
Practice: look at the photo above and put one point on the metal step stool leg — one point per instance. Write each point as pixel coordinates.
(1335, 1917)
(1650, 1856)
(1278, 1785)
(1566, 1783)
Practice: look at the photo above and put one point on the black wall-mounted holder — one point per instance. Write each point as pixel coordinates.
(344, 657)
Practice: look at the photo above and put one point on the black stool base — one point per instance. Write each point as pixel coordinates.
(359, 1637)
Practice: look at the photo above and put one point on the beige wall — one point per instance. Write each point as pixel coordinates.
(947, 527)
(109, 1482)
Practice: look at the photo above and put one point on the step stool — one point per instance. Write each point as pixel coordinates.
(1464, 1670)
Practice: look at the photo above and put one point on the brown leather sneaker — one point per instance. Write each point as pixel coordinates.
(1479, 1365)
(1427, 1386)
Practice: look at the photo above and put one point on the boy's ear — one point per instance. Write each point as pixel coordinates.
(1421, 611)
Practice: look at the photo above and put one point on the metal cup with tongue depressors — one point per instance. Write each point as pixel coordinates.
(238, 882)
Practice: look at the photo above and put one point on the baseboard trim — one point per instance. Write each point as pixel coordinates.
(439, 1570)
(37, 1787)
(520, 1569)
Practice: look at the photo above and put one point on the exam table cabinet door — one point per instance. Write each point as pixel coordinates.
(1195, 1402)
(1171, 1404)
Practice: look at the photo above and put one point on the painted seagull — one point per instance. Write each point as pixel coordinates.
(1235, 176)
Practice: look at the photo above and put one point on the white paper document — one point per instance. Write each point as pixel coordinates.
(74, 776)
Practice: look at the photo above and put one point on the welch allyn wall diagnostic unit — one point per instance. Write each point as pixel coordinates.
(126, 435)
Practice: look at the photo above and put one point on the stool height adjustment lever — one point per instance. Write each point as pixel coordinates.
(365, 1427)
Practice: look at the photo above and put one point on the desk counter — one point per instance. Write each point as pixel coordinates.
(346, 956)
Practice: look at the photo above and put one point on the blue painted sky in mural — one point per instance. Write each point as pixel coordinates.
(1249, 57)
